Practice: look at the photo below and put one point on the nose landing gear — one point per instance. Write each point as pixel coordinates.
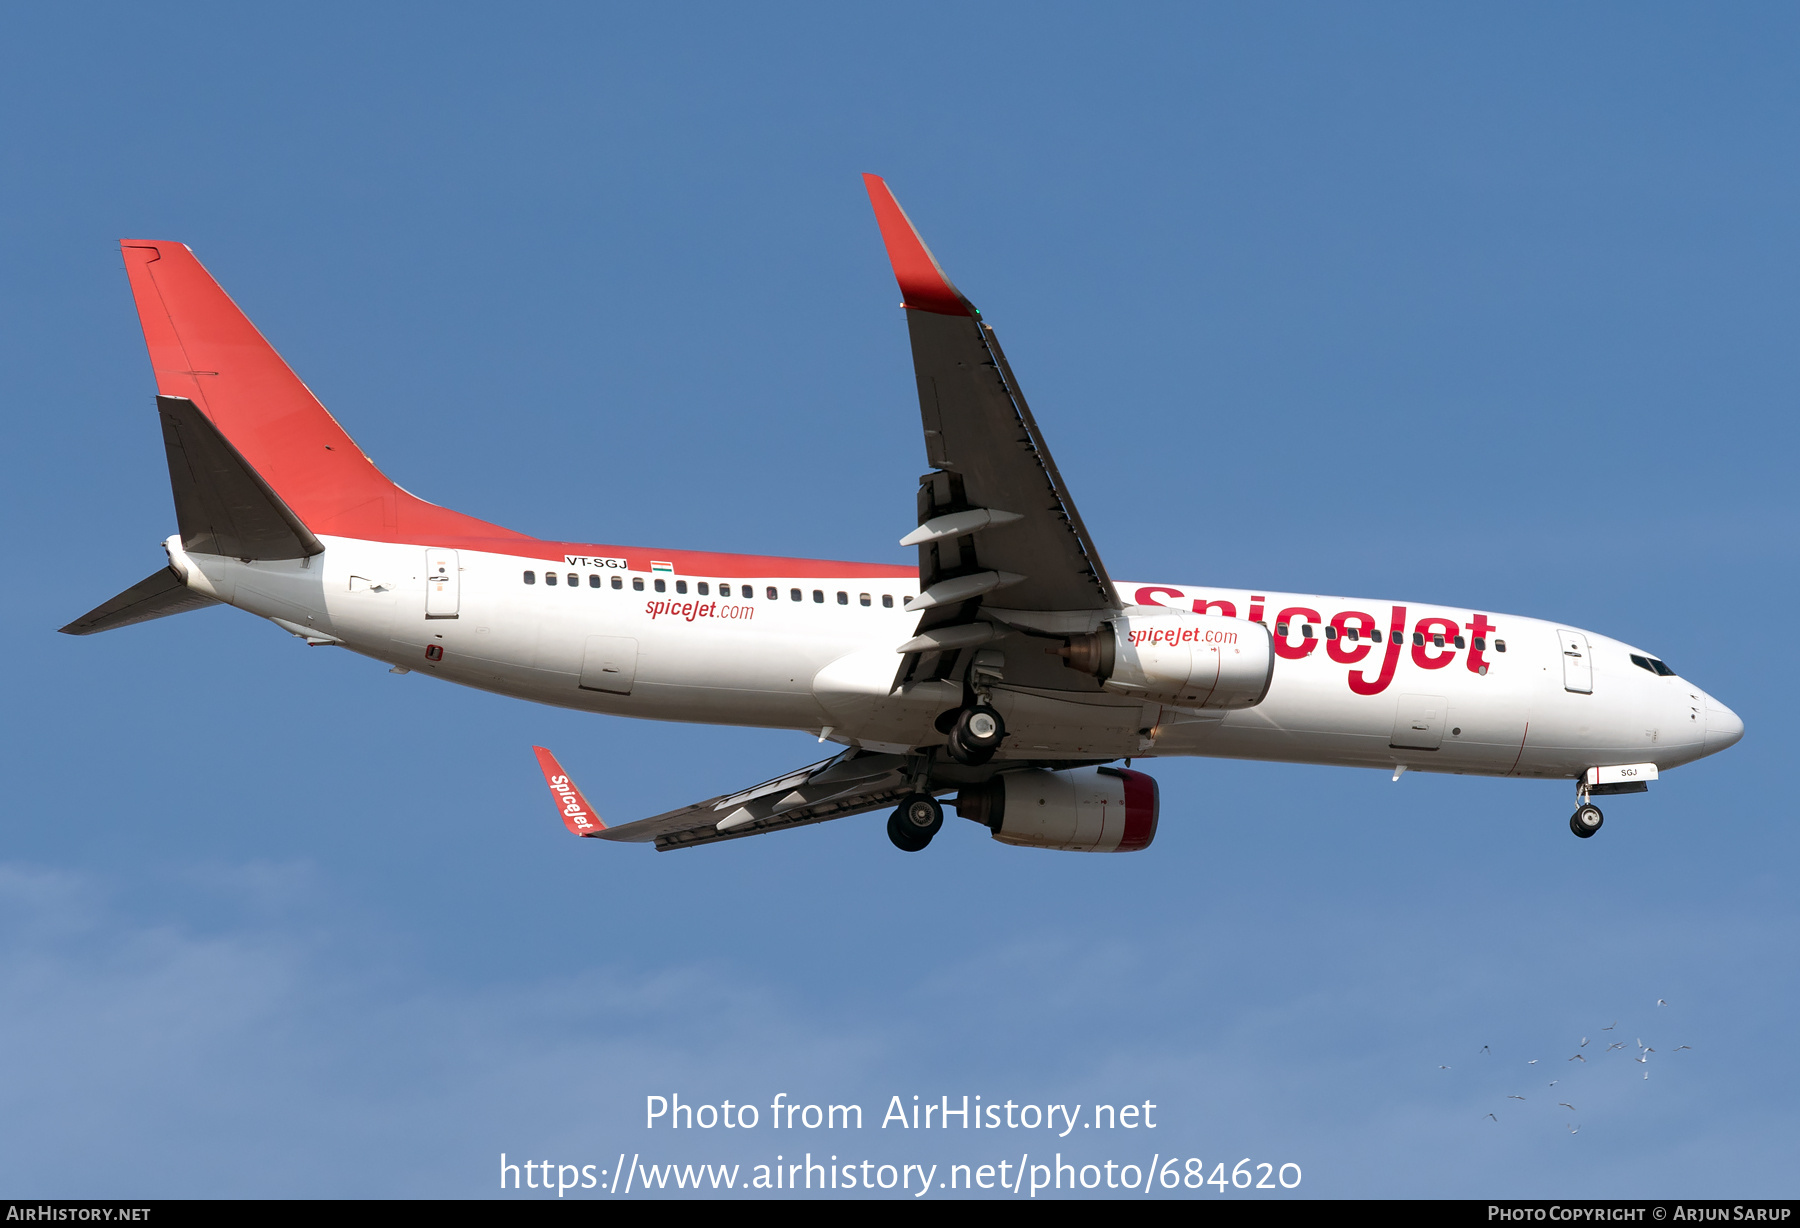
(1586, 820)
(917, 820)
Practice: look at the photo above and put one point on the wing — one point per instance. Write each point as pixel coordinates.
(999, 538)
(846, 784)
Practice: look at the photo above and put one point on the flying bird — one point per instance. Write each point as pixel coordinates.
(1532, 1062)
(1609, 1027)
(1566, 1105)
(1616, 1045)
(1579, 1058)
(1584, 1042)
(1574, 1129)
(1484, 1048)
(1443, 1068)
(1640, 1060)
(1553, 1083)
(1679, 1048)
(1515, 1097)
(1494, 1119)
(1661, 1002)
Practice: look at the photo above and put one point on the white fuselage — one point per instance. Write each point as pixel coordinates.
(675, 647)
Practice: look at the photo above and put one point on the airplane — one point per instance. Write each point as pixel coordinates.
(1006, 668)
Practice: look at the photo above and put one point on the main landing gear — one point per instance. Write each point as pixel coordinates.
(976, 735)
(1586, 820)
(918, 819)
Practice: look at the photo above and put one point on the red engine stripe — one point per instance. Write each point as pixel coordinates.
(1142, 802)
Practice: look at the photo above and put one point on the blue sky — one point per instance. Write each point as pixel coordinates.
(1486, 307)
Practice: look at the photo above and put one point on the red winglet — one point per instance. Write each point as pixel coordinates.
(922, 283)
(577, 815)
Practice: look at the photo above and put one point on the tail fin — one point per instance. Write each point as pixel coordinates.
(204, 350)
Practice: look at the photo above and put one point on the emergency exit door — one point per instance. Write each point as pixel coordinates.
(443, 584)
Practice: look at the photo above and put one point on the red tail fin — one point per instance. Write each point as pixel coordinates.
(203, 348)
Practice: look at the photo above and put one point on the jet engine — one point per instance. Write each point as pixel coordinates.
(1082, 810)
(1185, 660)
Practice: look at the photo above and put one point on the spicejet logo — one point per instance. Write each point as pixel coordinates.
(570, 801)
(573, 807)
(1350, 636)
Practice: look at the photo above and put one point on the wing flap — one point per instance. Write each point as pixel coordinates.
(851, 783)
(996, 503)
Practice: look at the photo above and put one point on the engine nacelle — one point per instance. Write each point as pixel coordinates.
(1186, 660)
(1083, 810)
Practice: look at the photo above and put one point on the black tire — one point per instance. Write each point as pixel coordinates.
(915, 822)
(1586, 821)
(963, 753)
(980, 728)
(900, 832)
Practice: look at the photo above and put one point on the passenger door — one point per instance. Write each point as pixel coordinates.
(1578, 668)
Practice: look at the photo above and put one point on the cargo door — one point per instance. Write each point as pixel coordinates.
(609, 663)
(443, 584)
(1419, 722)
(1578, 667)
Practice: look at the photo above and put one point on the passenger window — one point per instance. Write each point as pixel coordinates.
(699, 588)
(774, 594)
(1281, 628)
(1499, 645)
(819, 596)
(1375, 635)
(744, 590)
(1480, 643)
(531, 577)
(1306, 631)
(1458, 641)
(795, 594)
(549, 577)
(843, 598)
(1331, 633)
(1351, 634)
(662, 586)
(593, 581)
(1437, 641)
(1418, 639)
(637, 583)
(863, 597)
(680, 585)
(574, 580)
(619, 582)
(887, 601)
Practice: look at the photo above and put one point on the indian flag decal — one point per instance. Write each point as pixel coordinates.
(656, 566)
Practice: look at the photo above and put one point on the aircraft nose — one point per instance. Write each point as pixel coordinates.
(1723, 726)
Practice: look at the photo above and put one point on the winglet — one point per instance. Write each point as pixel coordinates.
(922, 282)
(577, 815)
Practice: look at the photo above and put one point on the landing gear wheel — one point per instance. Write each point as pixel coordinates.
(976, 735)
(1586, 821)
(912, 826)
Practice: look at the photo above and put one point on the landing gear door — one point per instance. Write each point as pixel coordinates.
(443, 584)
(1419, 722)
(1578, 667)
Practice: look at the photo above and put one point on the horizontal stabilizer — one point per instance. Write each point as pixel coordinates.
(221, 504)
(157, 596)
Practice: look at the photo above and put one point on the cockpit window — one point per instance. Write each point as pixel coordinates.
(1653, 665)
